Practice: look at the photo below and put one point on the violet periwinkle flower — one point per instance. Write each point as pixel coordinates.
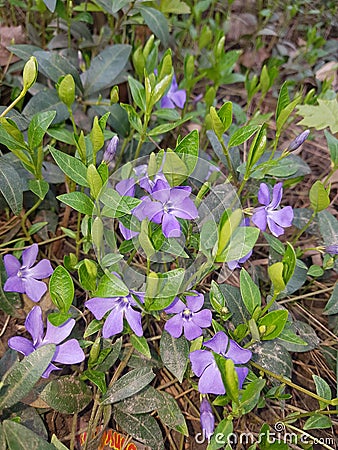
(207, 418)
(23, 278)
(204, 365)
(174, 97)
(188, 317)
(118, 308)
(110, 151)
(69, 352)
(332, 249)
(276, 219)
(168, 205)
(298, 141)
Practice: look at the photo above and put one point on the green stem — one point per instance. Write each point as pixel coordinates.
(10, 249)
(332, 171)
(143, 135)
(271, 302)
(25, 216)
(229, 162)
(293, 385)
(305, 227)
(11, 106)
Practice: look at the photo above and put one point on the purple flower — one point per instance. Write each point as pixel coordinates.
(332, 249)
(298, 141)
(69, 352)
(204, 365)
(23, 277)
(169, 204)
(110, 151)
(174, 97)
(268, 214)
(207, 419)
(188, 317)
(118, 308)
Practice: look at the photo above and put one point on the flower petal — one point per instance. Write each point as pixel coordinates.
(170, 226)
(264, 194)
(277, 194)
(126, 187)
(21, 344)
(126, 233)
(134, 318)
(191, 330)
(69, 352)
(283, 217)
(35, 289)
(43, 269)
(211, 381)
(12, 265)
(113, 324)
(195, 302)
(242, 372)
(34, 324)
(167, 103)
(185, 209)
(55, 335)
(174, 326)
(100, 306)
(15, 284)
(260, 218)
(179, 98)
(48, 371)
(218, 343)
(29, 255)
(200, 359)
(177, 306)
(238, 354)
(203, 318)
(275, 229)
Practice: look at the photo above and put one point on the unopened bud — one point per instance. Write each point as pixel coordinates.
(300, 139)
(207, 418)
(110, 151)
(332, 249)
(66, 90)
(30, 73)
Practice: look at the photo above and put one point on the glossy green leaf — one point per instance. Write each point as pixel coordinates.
(61, 289)
(188, 149)
(24, 375)
(242, 135)
(276, 276)
(164, 128)
(46, 100)
(225, 114)
(274, 322)
(174, 354)
(174, 169)
(9, 301)
(58, 444)
(78, 201)
(38, 126)
(17, 437)
(235, 304)
(71, 166)
(322, 389)
(319, 197)
(219, 438)
(283, 99)
(137, 92)
(272, 356)
(144, 401)
(289, 263)
(317, 422)
(241, 242)
(257, 148)
(251, 394)
(67, 395)
(332, 305)
(229, 376)
(111, 286)
(11, 187)
(128, 385)
(228, 224)
(140, 344)
(170, 414)
(39, 188)
(157, 23)
(250, 292)
(96, 377)
(332, 143)
(216, 297)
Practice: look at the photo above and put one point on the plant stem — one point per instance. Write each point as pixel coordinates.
(11, 106)
(143, 135)
(293, 385)
(305, 227)
(25, 216)
(271, 302)
(229, 162)
(73, 432)
(302, 432)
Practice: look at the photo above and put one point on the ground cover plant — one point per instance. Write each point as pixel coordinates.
(169, 233)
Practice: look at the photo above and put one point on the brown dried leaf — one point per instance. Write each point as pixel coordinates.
(10, 36)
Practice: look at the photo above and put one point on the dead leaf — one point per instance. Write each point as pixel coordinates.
(10, 36)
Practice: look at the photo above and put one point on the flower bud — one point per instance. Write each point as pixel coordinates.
(207, 418)
(30, 73)
(300, 139)
(332, 249)
(110, 151)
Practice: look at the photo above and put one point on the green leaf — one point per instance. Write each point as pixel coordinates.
(251, 394)
(141, 345)
(285, 113)
(171, 415)
(283, 99)
(39, 188)
(235, 304)
(241, 242)
(58, 318)
(276, 276)
(117, 206)
(51, 4)
(319, 198)
(78, 201)
(144, 401)
(216, 297)
(322, 389)
(96, 377)
(142, 427)
(296, 334)
(156, 22)
(128, 385)
(188, 149)
(174, 169)
(137, 92)
(111, 286)
(67, 395)
(46, 100)
(225, 114)
(174, 354)
(332, 143)
(58, 444)
(242, 135)
(317, 422)
(38, 126)
(105, 68)
(289, 263)
(272, 356)
(11, 187)
(71, 166)
(250, 292)
(228, 224)
(164, 128)
(331, 307)
(320, 116)
(24, 375)
(274, 322)
(88, 274)
(174, 7)
(61, 289)
(257, 148)
(17, 437)
(229, 376)
(221, 433)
